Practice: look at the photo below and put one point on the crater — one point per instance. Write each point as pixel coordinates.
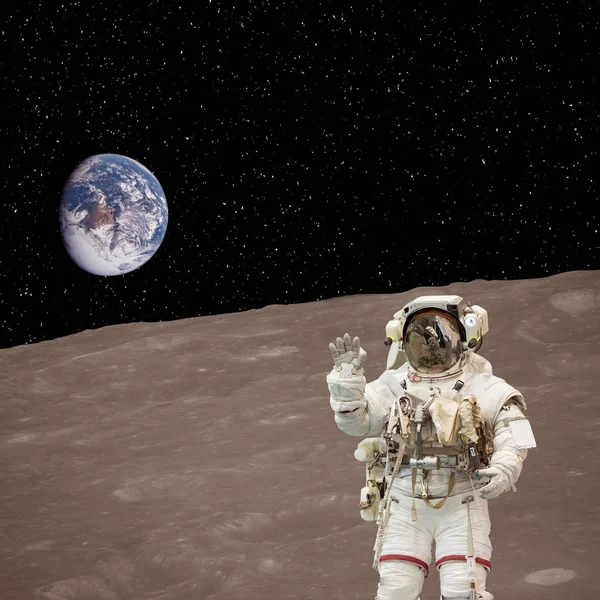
(550, 576)
(154, 487)
(579, 302)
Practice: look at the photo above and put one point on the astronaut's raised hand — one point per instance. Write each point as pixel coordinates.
(498, 484)
(347, 351)
(346, 381)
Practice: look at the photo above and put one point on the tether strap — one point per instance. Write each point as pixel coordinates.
(425, 499)
(443, 500)
(383, 513)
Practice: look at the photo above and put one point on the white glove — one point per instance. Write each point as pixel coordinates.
(498, 484)
(506, 463)
(347, 381)
(346, 351)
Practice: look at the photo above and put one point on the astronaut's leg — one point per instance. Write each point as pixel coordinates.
(455, 584)
(452, 548)
(399, 580)
(405, 553)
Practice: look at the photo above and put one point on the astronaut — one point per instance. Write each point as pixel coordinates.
(443, 436)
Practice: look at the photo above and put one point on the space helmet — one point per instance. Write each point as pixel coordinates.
(432, 333)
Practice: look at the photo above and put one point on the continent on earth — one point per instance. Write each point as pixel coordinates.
(103, 214)
(113, 215)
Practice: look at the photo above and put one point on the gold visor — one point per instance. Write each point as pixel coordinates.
(432, 342)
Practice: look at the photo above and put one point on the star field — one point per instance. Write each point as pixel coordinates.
(306, 150)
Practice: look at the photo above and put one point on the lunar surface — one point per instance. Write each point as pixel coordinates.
(199, 459)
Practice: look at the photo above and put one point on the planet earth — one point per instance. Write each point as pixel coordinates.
(113, 215)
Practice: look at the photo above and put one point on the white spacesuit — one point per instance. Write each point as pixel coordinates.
(447, 436)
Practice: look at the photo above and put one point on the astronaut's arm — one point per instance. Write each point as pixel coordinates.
(360, 408)
(506, 462)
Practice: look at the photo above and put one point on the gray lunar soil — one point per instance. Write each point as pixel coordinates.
(199, 459)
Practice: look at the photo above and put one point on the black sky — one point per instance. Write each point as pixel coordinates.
(307, 150)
